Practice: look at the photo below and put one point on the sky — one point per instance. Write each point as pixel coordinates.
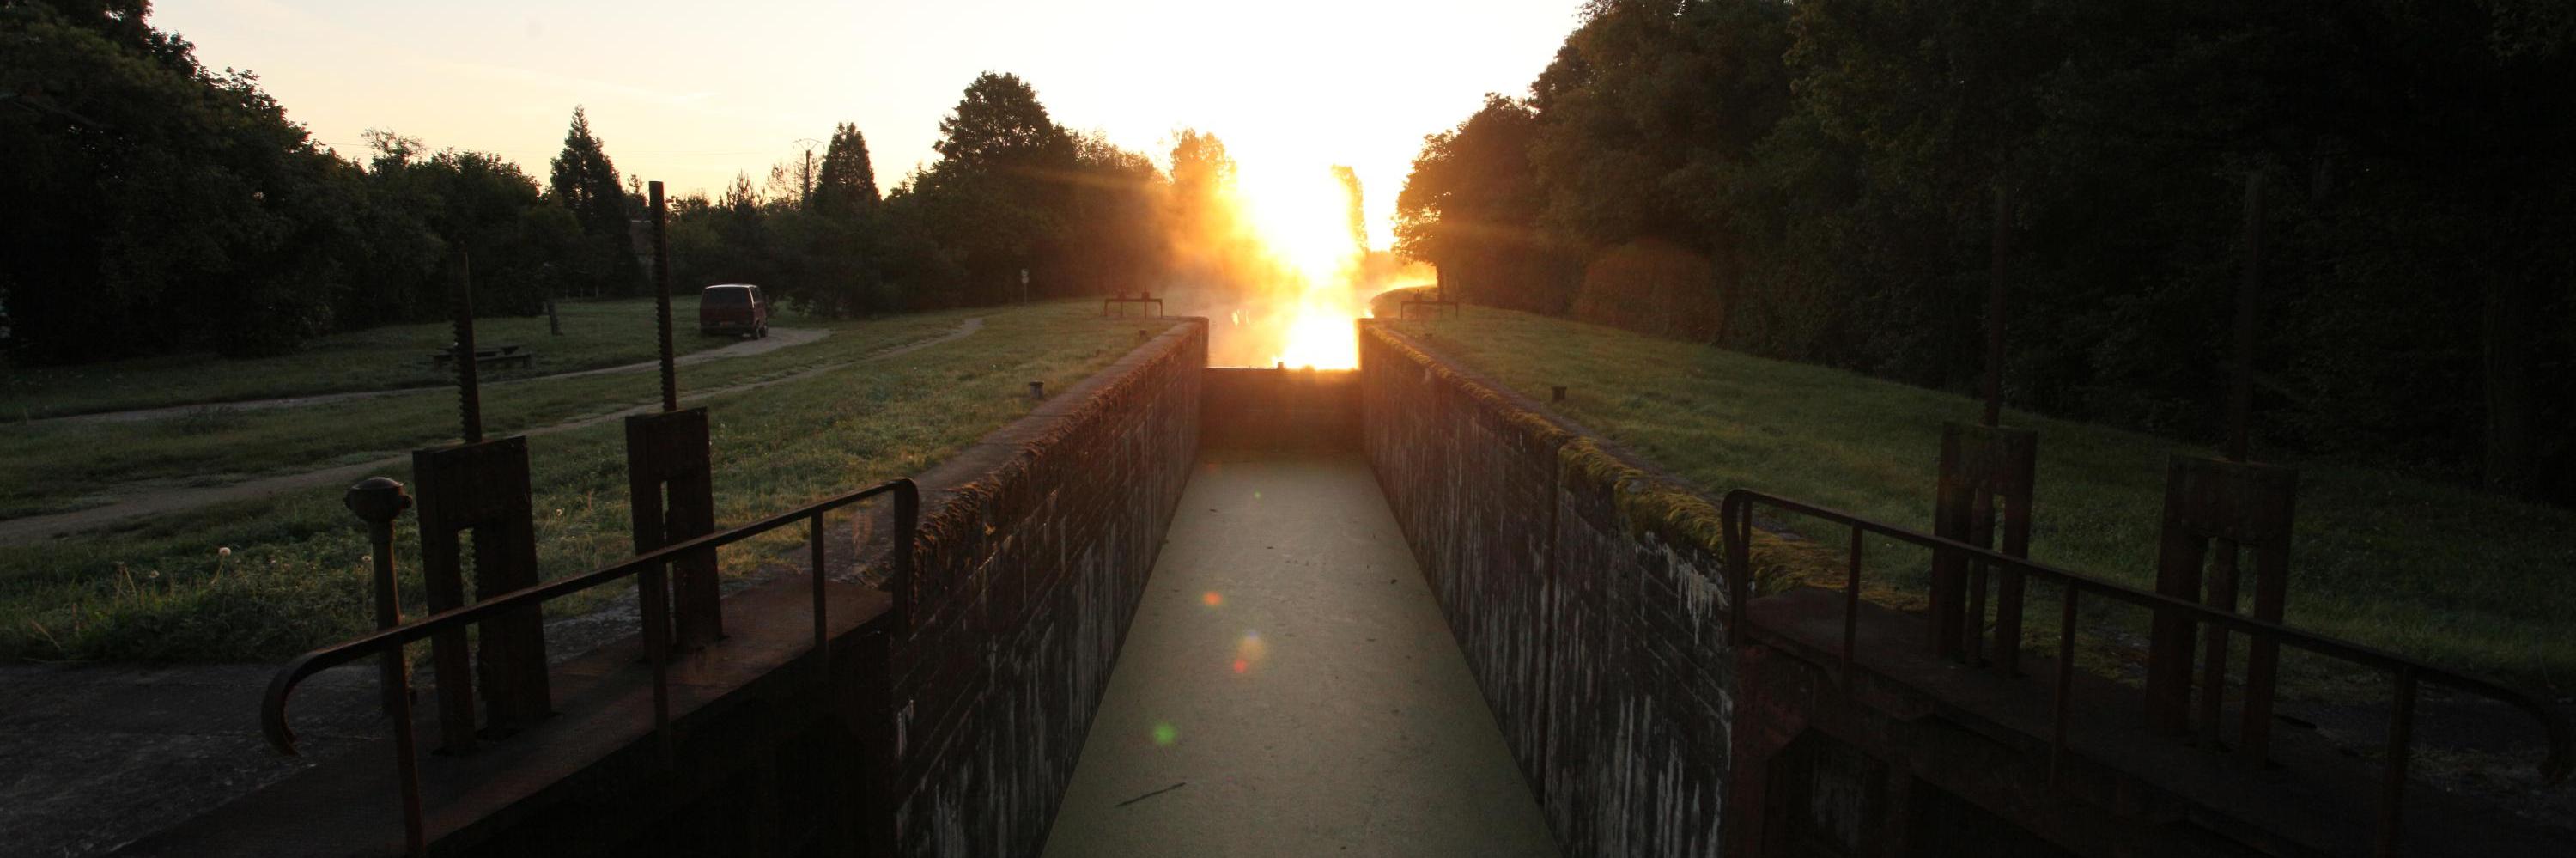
(690, 93)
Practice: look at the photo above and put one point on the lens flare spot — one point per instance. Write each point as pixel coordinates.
(1212, 598)
(1165, 734)
(1242, 666)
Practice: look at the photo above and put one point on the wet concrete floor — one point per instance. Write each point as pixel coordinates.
(1289, 688)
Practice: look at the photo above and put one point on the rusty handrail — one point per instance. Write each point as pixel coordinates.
(1122, 301)
(273, 704)
(1404, 308)
(907, 506)
(1736, 513)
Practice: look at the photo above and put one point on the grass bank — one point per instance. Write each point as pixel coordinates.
(59, 467)
(164, 590)
(595, 334)
(2458, 577)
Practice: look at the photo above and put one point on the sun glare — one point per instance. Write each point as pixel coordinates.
(1303, 219)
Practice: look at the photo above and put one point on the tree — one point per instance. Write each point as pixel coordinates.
(999, 124)
(156, 205)
(585, 183)
(846, 185)
(1471, 208)
(1822, 174)
(997, 198)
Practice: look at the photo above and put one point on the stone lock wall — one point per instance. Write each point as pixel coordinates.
(1035, 545)
(1585, 590)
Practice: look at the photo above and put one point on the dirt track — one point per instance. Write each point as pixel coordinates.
(158, 501)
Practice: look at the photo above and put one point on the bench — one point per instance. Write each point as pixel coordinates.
(500, 355)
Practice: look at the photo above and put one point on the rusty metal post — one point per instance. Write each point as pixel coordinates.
(822, 627)
(662, 296)
(2392, 779)
(907, 520)
(378, 501)
(1037, 391)
(469, 403)
(1995, 308)
(1556, 393)
(2240, 394)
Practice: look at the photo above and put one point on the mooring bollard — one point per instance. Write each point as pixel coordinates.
(1037, 391)
(1556, 393)
(378, 501)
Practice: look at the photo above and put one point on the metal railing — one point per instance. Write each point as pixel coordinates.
(1143, 300)
(1404, 308)
(1736, 512)
(648, 567)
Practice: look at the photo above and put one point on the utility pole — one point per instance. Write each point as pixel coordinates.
(805, 176)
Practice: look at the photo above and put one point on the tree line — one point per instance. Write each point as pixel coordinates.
(159, 206)
(1822, 180)
(1016, 207)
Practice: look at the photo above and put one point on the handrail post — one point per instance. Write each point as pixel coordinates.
(2401, 739)
(2061, 701)
(378, 501)
(653, 604)
(907, 524)
(822, 641)
(1851, 609)
(1736, 517)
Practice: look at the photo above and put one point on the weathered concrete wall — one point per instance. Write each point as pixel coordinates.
(1035, 547)
(951, 732)
(1280, 409)
(1585, 589)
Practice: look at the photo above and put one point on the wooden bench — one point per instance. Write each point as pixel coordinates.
(500, 355)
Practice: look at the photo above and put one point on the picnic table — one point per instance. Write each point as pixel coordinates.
(505, 354)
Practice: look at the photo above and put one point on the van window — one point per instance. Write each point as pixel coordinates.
(728, 297)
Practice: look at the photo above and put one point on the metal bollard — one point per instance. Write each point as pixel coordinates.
(1037, 391)
(1556, 393)
(378, 501)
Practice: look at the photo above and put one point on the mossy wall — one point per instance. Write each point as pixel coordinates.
(1586, 591)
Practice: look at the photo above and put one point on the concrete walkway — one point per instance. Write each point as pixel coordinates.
(1289, 688)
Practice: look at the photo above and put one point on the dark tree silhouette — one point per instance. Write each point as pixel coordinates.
(585, 183)
(1816, 180)
(846, 184)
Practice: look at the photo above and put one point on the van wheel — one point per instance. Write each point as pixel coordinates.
(761, 333)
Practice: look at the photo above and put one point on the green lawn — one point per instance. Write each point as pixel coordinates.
(595, 334)
(57, 467)
(2462, 578)
(162, 591)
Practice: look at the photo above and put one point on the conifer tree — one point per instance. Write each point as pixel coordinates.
(586, 184)
(847, 183)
